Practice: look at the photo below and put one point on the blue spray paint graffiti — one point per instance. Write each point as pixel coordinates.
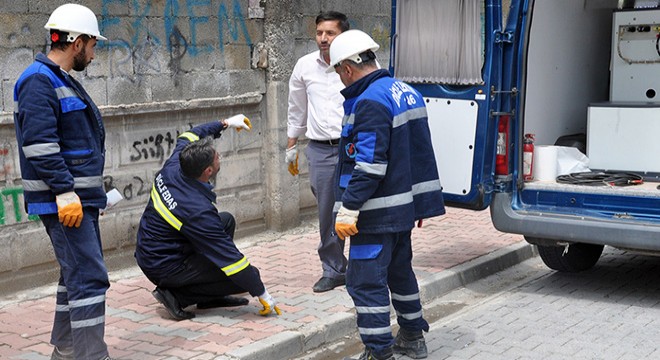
(234, 24)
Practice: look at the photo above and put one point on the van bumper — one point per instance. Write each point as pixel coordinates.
(556, 227)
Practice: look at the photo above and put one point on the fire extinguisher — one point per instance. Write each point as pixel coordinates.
(528, 157)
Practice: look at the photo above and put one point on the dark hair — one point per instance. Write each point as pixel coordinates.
(334, 15)
(196, 157)
(58, 39)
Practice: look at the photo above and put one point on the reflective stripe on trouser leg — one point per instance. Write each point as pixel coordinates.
(322, 161)
(403, 285)
(366, 282)
(61, 334)
(84, 277)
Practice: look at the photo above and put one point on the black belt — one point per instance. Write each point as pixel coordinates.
(331, 142)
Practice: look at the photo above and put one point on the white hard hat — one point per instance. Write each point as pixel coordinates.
(348, 46)
(76, 20)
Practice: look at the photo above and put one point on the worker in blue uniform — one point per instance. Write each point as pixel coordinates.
(386, 179)
(61, 147)
(184, 245)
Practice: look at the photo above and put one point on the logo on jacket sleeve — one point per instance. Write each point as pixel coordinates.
(351, 150)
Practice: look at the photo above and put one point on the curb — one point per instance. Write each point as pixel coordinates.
(289, 343)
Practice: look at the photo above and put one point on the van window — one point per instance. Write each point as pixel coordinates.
(439, 42)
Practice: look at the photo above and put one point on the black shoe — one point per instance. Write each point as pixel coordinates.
(224, 301)
(327, 284)
(369, 354)
(62, 354)
(171, 304)
(411, 344)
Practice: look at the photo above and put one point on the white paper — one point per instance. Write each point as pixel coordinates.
(113, 198)
(571, 160)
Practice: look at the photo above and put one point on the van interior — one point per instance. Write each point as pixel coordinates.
(591, 81)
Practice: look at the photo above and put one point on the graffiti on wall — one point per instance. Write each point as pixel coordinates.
(144, 44)
(153, 147)
(11, 203)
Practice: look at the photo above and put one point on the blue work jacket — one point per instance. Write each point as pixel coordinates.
(181, 219)
(60, 138)
(386, 167)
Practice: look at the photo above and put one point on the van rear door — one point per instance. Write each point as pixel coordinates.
(436, 47)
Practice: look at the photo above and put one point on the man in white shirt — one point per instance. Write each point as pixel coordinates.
(315, 109)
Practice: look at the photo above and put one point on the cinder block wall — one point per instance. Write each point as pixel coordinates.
(168, 65)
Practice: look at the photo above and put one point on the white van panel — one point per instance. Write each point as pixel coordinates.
(567, 67)
(453, 125)
(624, 138)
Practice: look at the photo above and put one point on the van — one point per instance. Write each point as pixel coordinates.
(582, 76)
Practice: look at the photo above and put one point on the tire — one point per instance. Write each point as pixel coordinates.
(580, 256)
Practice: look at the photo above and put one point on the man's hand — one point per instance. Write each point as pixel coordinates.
(239, 122)
(69, 209)
(346, 222)
(269, 304)
(292, 160)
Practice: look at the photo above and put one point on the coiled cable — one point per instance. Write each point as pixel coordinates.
(601, 178)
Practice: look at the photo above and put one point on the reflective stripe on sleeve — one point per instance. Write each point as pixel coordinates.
(192, 137)
(41, 149)
(236, 267)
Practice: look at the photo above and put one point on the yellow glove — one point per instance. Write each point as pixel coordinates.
(269, 304)
(69, 209)
(239, 122)
(292, 159)
(346, 222)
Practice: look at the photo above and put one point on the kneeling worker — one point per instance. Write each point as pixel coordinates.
(184, 245)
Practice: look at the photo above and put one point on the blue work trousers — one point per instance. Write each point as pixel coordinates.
(80, 304)
(377, 265)
(322, 159)
(198, 279)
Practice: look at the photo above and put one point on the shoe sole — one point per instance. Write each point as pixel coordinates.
(409, 353)
(162, 301)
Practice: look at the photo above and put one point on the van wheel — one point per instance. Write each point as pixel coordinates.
(579, 257)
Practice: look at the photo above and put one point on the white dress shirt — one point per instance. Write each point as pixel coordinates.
(315, 103)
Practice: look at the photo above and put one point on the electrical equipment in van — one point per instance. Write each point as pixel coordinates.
(636, 56)
(624, 138)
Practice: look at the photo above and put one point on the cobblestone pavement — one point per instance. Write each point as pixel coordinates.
(137, 327)
(611, 312)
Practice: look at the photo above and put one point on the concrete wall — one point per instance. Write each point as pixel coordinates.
(168, 65)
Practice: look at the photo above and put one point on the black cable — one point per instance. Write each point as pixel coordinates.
(657, 39)
(601, 178)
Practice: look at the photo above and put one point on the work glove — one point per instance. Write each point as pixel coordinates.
(292, 160)
(346, 222)
(239, 122)
(269, 304)
(69, 209)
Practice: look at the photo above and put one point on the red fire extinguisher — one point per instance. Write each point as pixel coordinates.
(528, 157)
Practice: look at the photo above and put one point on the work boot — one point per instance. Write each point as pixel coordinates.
(410, 343)
(171, 304)
(369, 354)
(62, 353)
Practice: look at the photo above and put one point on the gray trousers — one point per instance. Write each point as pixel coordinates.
(322, 161)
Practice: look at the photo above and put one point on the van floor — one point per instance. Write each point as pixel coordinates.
(646, 189)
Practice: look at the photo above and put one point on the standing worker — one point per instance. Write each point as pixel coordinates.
(315, 110)
(184, 245)
(61, 140)
(386, 180)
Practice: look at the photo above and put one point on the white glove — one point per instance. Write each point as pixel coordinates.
(269, 304)
(292, 160)
(346, 222)
(239, 122)
(69, 209)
